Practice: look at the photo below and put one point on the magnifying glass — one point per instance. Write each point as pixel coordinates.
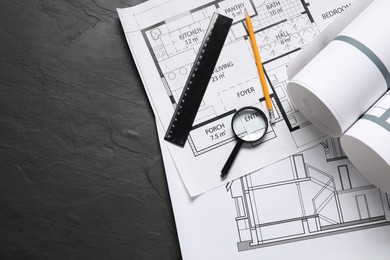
(249, 125)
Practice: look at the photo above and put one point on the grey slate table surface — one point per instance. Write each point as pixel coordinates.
(81, 170)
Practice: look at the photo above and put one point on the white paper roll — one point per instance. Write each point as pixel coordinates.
(326, 36)
(339, 84)
(368, 153)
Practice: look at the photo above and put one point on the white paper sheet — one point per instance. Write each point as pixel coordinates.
(164, 37)
(313, 205)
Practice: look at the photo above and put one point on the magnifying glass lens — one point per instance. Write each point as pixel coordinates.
(249, 124)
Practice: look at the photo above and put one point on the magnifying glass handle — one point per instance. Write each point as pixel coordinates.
(231, 158)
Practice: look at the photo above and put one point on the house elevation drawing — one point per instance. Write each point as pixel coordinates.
(311, 197)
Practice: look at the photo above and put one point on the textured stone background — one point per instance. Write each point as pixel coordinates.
(81, 172)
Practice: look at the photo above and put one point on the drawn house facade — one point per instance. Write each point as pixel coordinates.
(313, 202)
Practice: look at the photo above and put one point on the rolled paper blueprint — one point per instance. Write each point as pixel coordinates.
(347, 76)
(326, 36)
(367, 143)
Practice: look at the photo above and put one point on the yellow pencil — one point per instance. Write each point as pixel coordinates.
(259, 66)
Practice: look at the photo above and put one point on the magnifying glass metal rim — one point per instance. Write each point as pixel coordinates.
(240, 141)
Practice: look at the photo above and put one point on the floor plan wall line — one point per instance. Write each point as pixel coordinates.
(276, 24)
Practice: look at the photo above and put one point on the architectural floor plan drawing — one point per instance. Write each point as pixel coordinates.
(282, 28)
(311, 197)
(164, 39)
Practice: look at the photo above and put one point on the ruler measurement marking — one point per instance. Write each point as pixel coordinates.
(199, 77)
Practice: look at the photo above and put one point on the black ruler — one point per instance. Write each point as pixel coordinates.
(196, 84)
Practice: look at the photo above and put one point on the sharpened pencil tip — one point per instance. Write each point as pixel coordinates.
(246, 12)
